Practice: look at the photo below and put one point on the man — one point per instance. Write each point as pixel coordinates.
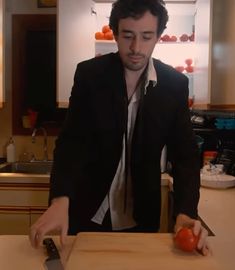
(124, 107)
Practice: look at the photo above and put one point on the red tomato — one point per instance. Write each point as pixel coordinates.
(165, 38)
(184, 37)
(186, 240)
(190, 102)
(188, 61)
(189, 69)
(173, 38)
(109, 35)
(99, 35)
(105, 29)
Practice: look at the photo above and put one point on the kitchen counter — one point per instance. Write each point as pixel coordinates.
(105, 251)
(216, 208)
(16, 253)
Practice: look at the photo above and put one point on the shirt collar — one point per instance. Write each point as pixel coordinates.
(151, 74)
(151, 77)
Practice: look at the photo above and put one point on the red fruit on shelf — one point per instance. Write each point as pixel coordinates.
(179, 68)
(190, 101)
(165, 38)
(105, 29)
(99, 35)
(189, 69)
(184, 38)
(188, 61)
(108, 35)
(173, 38)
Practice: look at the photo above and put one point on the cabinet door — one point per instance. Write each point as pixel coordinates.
(23, 196)
(164, 209)
(14, 221)
(35, 213)
(76, 28)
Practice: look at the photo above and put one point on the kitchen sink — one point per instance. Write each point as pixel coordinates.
(36, 167)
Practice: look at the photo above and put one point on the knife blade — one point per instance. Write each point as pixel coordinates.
(53, 262)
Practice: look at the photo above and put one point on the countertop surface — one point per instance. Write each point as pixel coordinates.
(106, 251)
(216, 208)
(137, 251)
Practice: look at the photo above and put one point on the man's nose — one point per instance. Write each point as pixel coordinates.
(135, 45)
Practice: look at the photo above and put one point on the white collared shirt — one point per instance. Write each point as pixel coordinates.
(115, 199)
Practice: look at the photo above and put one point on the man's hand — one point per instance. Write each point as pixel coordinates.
(54, 218)
(185, 221)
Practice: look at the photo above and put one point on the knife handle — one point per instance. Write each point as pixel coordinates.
(51, 248)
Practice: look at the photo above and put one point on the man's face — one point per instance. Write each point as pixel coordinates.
(136, 40)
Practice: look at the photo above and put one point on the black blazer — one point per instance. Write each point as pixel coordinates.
(89, 146)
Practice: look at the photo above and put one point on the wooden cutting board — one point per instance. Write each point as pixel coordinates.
(133, 251)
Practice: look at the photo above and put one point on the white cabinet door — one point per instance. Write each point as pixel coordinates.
(76, 28)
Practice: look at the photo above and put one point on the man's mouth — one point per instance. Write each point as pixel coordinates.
(135, 58)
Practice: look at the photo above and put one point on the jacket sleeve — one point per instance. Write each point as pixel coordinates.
(69, 148)
(184, 156)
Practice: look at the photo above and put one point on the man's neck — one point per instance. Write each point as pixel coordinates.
(132, 80)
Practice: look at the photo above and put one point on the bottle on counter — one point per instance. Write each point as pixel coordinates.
(11, 151)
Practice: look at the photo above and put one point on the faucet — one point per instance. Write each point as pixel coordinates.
(45, 156)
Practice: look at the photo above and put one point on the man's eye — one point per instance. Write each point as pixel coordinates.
(147, 37)
(128, 36)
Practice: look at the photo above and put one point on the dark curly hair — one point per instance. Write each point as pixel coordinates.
(122, 9)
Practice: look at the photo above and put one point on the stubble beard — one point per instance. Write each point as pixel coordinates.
(136, 66)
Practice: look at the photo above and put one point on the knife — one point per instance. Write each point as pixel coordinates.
(53, 262)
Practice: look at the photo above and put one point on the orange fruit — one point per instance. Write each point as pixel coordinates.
(109, 35)
(99, 35)
(105, 29)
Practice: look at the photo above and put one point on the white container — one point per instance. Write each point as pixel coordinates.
(11, 151)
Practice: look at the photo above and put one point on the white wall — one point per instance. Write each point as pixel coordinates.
(76, 28)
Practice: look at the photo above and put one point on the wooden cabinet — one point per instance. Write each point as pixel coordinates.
(20, 205)
(164, 209)
(215, 51)
(1, 54)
